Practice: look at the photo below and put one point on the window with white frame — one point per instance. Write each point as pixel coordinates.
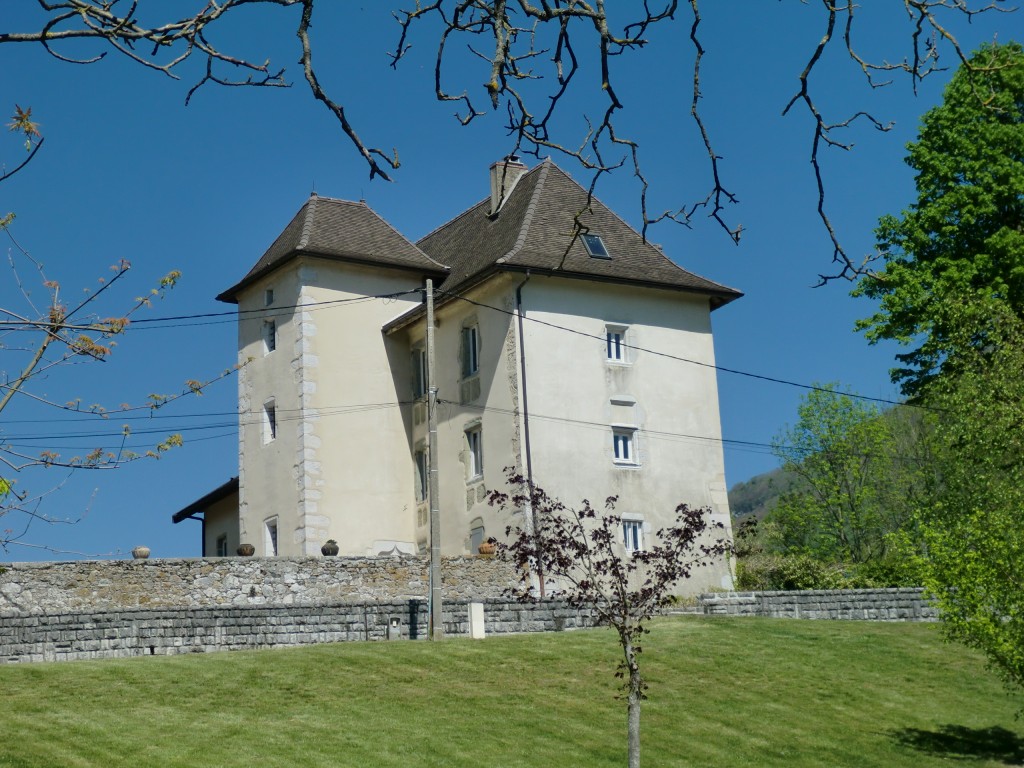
(269, 336)
(475, 452)
(222, 545)
(633, 535)
(270, 537)
(470, 351)
(269, 421)
(616, 346)
(624, 445)
(422, 474)
(419, 372)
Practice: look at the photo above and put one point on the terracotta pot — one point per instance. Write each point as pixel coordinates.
(246, 550)
(140, 553)
(487, 548)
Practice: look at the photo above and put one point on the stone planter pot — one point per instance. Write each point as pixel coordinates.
(330, 548)
(246, 550)
(140, 553)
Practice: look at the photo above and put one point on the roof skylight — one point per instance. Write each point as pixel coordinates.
(595, 246)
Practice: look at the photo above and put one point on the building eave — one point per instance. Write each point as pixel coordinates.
(199, 505)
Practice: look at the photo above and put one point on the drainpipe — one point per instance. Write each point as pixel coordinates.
(526, 417)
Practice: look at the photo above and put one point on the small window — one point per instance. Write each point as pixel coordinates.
(419, 372)
(269, 421)
(475, 464)
(269, 336)
(422, 474)
(616, 348)
(624, 445)
(268, 297)
(595, 246)
(270, 537)
(633, 535)
(222, 545)
(470, 351)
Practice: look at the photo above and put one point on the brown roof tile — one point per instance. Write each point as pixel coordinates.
(534, 229)
(341, 230)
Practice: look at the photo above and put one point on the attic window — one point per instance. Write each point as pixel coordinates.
(595, 246)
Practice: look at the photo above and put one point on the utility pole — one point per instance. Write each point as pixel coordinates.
(436, 620)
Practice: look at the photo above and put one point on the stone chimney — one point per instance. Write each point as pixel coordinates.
(504, 176)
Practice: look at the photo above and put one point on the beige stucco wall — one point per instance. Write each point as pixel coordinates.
(340, 466)
(488, 399)
(673, 404)
(221, 519)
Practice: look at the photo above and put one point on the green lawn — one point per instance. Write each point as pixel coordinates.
(724, 692)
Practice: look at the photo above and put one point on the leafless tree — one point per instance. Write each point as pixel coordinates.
(531, 53)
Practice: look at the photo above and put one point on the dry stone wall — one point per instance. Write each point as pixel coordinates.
(65, 587)
(857, 604)
(166, 631)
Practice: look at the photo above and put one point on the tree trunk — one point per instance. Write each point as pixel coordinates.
(633, 717)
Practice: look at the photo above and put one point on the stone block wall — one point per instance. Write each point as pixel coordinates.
(857, 604)
(165, 631)
(63, 587)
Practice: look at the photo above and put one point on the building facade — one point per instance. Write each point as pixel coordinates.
(567, 349)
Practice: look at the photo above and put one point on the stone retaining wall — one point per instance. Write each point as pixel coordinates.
(165, 631)
(112, 585)
(858, 604)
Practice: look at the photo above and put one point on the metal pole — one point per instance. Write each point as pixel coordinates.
(436, 621)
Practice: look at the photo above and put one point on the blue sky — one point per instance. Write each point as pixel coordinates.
(127, 171)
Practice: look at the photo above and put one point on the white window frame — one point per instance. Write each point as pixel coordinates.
(624, 445)
(470, 362)
(269, 336)
(269, 421)
(222, 545)
(421, 460)
(617, 351)
(633, 535)
(475, 452)
(419, 372)
(270, 536)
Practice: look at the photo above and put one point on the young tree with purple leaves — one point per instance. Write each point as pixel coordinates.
(582, 554)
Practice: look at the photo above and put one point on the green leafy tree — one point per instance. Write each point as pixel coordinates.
(837, 449)
(964, 236)
(974, 527)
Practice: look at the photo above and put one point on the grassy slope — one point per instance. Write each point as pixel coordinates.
(724, 692)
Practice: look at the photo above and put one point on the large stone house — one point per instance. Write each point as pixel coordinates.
(582, 361)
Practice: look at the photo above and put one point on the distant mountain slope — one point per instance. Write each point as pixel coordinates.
(758, 495)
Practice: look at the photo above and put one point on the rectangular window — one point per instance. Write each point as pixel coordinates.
(624, 445)
(268, 297)
(475, 464)
(633, 535)
(269, 336)
(419, 372)
(270, 537)
(470, 351)
(595, 246)
(269, 421)
(422, 475)
(615, 344)
(222, 545)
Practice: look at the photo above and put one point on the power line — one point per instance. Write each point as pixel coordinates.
(736, 371)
